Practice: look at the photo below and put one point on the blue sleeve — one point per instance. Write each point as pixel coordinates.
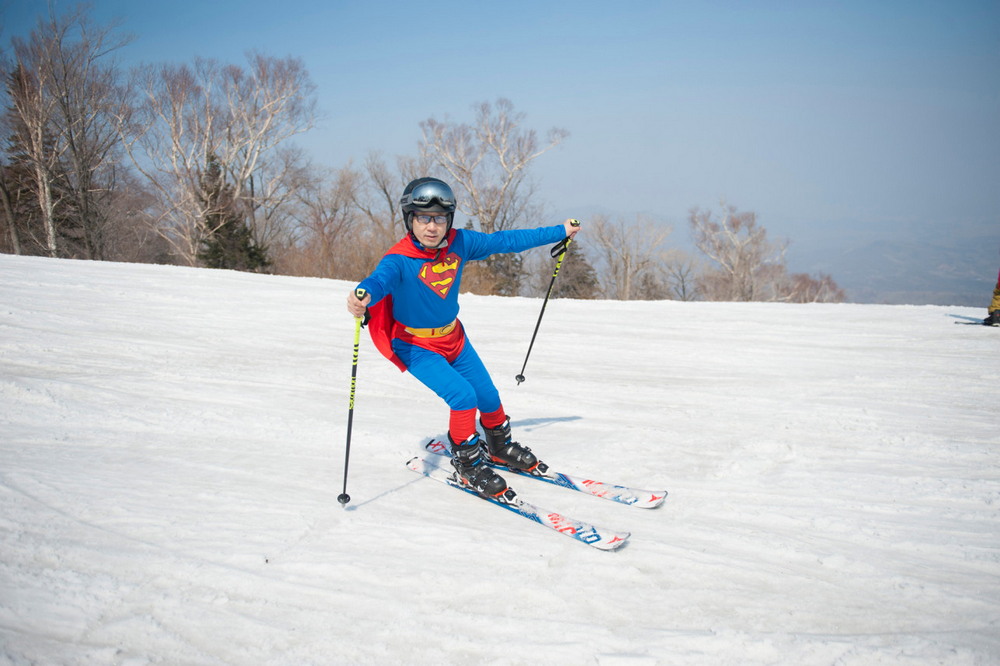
(384, 278)
(479, 245)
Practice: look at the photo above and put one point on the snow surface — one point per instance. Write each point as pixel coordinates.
(172, 447)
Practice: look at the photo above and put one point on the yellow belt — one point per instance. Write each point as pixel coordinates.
(432, 332)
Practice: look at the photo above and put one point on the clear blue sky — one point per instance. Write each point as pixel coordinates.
(823, 117)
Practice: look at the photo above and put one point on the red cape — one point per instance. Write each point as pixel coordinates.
(382, 325)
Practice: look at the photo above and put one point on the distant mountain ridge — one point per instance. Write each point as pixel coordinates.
(955, 271)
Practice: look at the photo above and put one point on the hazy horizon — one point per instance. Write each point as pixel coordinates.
(840, 126)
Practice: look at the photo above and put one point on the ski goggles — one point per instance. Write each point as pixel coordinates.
(424, 195)
(432, 219)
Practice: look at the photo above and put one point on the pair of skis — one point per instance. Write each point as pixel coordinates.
(582, 531)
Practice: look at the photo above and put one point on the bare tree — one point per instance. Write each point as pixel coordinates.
(34, 109)
(376, 195)
(238, 116)
(487, 162)
(345, 219)
(130, 233)
(90, 96)
(273, 191)
(378, 192)
(267, 104)
(681, 274)
(65, 93)
(323, 232)
(632, 256)
(749, 266)
(802, 288)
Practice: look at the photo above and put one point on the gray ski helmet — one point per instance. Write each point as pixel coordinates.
(430, 195)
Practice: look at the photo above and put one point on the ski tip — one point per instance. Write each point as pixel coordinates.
(613, 542)
(654, 500)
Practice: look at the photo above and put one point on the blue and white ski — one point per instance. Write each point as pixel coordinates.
(643, 499)
(597, 537)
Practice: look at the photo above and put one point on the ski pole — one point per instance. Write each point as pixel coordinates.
(560, 250)
(344, 498)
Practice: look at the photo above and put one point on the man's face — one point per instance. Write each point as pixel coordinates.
(429, 228)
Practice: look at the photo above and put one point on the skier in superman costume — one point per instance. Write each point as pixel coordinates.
(411, 302)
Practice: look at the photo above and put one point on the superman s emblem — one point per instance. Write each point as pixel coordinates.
(440, 275)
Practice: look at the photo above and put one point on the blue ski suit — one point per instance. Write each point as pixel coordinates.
(414, 312)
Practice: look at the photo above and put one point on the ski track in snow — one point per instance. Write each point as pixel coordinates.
(172, 446)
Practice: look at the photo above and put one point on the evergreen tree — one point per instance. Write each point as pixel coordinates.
(577, 278)
(229, 241)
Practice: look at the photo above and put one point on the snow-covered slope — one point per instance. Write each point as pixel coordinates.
(172, 446)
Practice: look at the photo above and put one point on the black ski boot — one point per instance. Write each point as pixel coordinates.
(472, 470)
(502, 451)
